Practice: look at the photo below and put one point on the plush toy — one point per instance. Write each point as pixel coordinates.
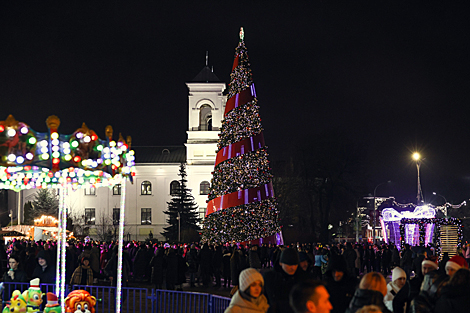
(33, 296)
(17, 303)
(52, 305)
(80, 301)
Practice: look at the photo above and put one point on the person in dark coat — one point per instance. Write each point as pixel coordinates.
(182, 269)
(193, 264)
(217, 258)
(205, 259)
(279, 281)
(340, 284)
(226, 266)
(350, 257)
(416, 263)
(171, 269)
(235, 266)
(15, 273)
(406, 260)
(253, 257)
(45, 270)
(157, 268)
(111, 267)
(455, 296)
(140, 263)
(371, 291)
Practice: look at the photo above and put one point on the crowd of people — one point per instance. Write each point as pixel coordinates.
(263, 278)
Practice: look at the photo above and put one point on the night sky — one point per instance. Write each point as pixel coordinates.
(393, 77)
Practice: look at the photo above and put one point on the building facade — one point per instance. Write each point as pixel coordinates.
(96, 211)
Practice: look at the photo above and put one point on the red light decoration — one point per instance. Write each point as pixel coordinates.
(77, 159)
(2, 128)
(55, 161)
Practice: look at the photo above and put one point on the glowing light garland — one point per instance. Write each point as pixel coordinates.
(241, 204)
(121, 238)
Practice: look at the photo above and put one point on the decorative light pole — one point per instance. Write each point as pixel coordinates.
(419, 197)
(445, 204)
(375, 209)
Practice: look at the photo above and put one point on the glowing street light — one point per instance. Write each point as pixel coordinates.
(417, 157)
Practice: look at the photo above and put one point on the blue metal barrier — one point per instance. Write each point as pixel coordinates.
(138, 299)
(168, 301)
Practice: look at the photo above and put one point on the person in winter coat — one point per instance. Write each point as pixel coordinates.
(428, 265)
(340, 284)
(226, 266)
(372, 290)
(281, 279)
(253, 257)
(157, 268)
(406, 260)
(15, 274)
(454, 264)
(310, 296)
(171, 266)
(249, 298)
(320, 258)
(393, 287)
(217, 258)
(193, 264)
(205, 258)
(236, 266)
(140, 263)
(455, 296)
(83, 274)
(45, 269)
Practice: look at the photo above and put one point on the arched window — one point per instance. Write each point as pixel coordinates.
(174, 187)
(146, 188)
(205, 117)
(204, 188)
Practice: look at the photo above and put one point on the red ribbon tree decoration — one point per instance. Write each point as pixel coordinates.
(241, 205)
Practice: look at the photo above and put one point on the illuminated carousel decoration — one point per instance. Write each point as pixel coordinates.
(29, 159)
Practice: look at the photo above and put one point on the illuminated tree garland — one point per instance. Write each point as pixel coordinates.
(243, 174)
(242, 223)
(245, 171)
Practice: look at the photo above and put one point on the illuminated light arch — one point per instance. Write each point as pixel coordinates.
(30, 159)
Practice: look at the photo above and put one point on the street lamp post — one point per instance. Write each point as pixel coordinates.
(419, 196)
(375, 210)
(445, 204)
(179, 227)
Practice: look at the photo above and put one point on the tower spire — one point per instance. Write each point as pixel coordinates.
(207, 58)
(242, 34)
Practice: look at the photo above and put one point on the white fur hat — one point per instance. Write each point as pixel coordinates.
(397, 273)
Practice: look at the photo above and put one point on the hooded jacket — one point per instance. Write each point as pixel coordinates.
(46, 275)
(364, 297)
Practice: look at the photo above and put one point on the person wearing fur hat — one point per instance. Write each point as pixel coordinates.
(281, 279)
(83, 274)
(454, 264)
(394, 287)
(249, 298)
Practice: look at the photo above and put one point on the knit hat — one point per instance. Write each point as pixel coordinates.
(398, 273)
(52, 300)
(289, 256)
(34, 284)
(303, 257)
(85, 258)
(431, 261)
(456, 262)
(249, 276)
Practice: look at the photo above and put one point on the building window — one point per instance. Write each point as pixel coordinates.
(174, 187)
(146, 216)
(116, 216)
(117, 190)
(146, 188)
(90, 191)
(89, 216)
(204, 188)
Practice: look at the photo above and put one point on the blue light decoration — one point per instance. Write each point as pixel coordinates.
(29, 159)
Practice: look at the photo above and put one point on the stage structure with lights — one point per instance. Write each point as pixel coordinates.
(241, 203)
(30, 159)
(418, 226)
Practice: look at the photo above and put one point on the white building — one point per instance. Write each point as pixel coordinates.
(156, 169)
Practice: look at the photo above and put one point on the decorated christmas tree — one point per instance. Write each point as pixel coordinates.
(182, 213)
(241, 204)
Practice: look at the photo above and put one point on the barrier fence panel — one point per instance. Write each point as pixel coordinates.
(135, 300)
(168, 301)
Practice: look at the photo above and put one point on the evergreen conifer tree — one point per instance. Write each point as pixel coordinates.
(241, 204)
(184, 203)
(45, 203)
